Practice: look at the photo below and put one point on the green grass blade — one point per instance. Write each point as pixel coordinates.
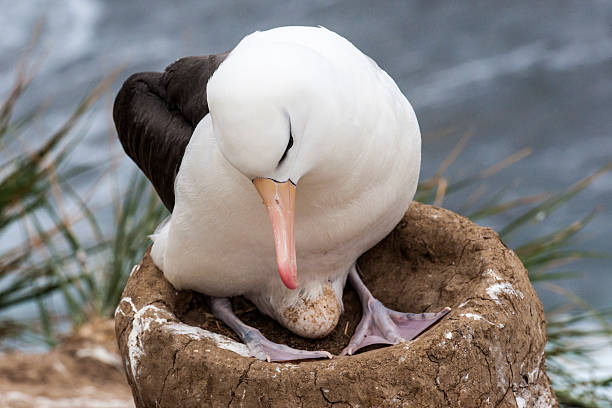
(542, 210)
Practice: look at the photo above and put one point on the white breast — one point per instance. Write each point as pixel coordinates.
(220, 240)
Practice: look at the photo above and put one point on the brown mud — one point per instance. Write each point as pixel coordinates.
(487, 352)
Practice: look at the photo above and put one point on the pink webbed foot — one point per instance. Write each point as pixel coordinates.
(264, 349)
(381, 325)
(259, 346)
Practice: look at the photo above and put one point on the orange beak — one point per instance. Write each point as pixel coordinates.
(279, 199)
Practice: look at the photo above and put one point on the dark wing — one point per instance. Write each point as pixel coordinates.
(156, 113)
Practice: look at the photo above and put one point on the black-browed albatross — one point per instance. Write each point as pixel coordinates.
(298, 117)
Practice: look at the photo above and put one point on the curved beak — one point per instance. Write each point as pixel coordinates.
(279, 199)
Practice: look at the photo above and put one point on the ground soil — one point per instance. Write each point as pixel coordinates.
(85, 371)
(487, 352)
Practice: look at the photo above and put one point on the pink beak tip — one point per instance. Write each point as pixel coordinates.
(288, 275)
(291, 285)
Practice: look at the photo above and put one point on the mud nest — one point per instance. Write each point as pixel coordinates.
(488, 351)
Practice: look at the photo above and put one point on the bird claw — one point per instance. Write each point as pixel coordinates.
(259, 346)
(263, 349)
(381, 325)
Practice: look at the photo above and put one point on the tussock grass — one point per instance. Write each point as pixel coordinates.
(55, 247)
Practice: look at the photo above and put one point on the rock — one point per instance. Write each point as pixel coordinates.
(488, 351)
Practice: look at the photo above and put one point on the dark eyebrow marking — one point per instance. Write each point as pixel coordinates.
(289, 144)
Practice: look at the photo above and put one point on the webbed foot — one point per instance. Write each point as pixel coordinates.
(259, 346)
(264, 349)
(381, 325)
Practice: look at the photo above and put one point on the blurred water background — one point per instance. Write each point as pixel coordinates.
(519, 74)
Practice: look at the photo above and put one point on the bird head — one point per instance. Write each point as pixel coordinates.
(262, 100)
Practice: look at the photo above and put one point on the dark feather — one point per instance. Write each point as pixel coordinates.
(156, 113)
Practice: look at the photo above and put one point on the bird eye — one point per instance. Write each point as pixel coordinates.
(287, 149)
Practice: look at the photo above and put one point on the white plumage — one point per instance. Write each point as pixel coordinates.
(355, 161)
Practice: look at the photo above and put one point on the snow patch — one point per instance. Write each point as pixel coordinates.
(448, 335)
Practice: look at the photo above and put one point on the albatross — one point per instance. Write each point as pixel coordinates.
(299, 118)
